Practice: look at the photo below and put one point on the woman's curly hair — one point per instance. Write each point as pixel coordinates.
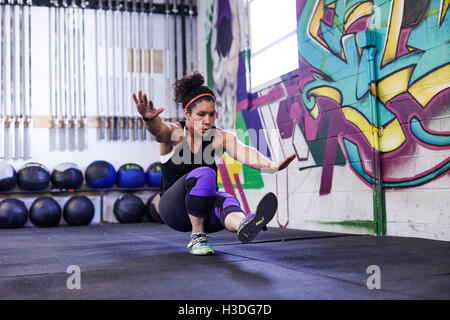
(190, 86)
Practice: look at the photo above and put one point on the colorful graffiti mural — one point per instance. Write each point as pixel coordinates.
(412, 86)
(337, 111)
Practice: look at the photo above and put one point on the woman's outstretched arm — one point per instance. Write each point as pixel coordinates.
(155, 125)
(250, 156)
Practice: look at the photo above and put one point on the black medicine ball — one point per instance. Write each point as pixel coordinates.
(129, 208)
(79, 211)
(13, 213)
(67, 176)
(45, 212)
(33, 176)
(8, 176)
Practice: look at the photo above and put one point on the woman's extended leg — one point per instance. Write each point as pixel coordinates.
(228, 210)
(233, 221)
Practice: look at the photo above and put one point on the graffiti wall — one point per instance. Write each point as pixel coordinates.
(367, 114)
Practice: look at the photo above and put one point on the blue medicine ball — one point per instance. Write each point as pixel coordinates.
(130, 175)
(154, 175)
(100, 174)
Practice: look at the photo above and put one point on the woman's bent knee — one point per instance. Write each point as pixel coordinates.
(201, 182)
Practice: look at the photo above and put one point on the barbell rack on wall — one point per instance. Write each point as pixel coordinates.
(157, 8)
(68, 119)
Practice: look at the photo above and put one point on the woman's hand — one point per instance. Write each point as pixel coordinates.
(145, 107)
(275, 167)
(286, 162)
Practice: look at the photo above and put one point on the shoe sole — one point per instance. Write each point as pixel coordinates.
(264, 214)
(202, 254)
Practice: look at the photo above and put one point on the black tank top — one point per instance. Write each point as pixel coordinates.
(183, 161)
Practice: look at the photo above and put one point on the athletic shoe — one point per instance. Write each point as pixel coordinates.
(199, 245)
(256, 221)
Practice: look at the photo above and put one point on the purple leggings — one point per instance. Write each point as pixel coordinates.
(195, 193)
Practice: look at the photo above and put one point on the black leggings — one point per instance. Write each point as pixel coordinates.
(195, 193)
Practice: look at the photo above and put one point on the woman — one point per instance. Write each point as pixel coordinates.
(189, 150)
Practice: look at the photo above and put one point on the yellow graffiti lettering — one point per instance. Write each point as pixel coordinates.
(392, 135)
(315, 112)
(393, 33)
(444, 9)
(314, 25)
(350, 10)
(393, 85)
(363, 10)
(427, 87)
(326, 91)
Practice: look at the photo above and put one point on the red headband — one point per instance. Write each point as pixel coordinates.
(199, 96)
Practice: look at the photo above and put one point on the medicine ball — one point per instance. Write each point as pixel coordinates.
(129, 208)
(100, 174)
(154, 175)
(45, 212)
(8, 176)
(151, 210)
(67, 176)
(79, 211)
(33, 176)
(13, 213)
(130, 175)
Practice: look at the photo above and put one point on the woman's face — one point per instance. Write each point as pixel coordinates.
(202, 117)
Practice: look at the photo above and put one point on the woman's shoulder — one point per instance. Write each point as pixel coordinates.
(175, 125)
(219, 135)
(224, 132)
(176, 130)
(181, 123)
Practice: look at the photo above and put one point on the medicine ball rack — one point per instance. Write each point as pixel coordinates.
(65, 192)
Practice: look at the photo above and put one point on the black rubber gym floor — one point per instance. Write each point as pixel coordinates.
(150, 261)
